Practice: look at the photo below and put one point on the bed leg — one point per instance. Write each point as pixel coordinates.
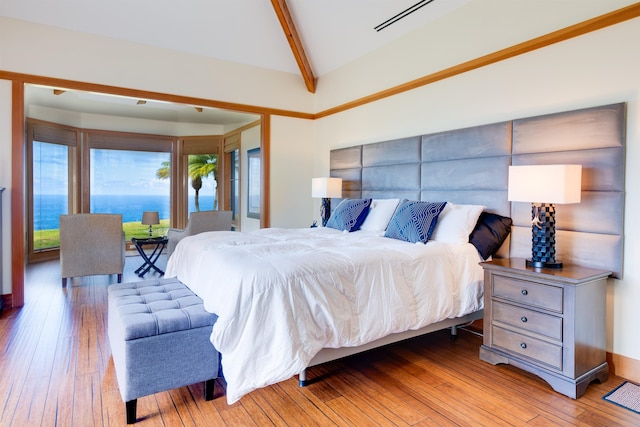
(454, 332)
(302, 378)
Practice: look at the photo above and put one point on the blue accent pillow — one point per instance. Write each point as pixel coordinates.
(414, 221)
(349, 214)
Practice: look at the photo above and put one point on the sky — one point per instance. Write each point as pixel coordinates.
(113, 172)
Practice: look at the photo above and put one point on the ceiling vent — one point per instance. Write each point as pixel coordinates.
(408, 11)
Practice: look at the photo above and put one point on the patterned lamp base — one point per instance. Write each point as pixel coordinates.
(325, 210)
(543, 236)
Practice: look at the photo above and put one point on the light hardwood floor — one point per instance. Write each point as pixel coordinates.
(56, 369)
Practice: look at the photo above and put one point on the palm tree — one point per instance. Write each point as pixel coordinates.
(200, 166)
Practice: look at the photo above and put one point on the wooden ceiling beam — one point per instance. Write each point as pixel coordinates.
(290, 32)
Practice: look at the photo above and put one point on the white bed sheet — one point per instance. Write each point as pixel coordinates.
(282, 295)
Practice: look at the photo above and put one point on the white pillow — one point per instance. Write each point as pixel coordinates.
(380, 213)
(456, 222)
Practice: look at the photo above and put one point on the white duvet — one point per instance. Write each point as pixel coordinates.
(283, 295)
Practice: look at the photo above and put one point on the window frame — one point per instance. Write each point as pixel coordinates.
(81, 141)
(51, 133)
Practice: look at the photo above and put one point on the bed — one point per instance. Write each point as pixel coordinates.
(287, 299)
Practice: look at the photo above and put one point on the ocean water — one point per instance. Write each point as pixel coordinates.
(48, 208)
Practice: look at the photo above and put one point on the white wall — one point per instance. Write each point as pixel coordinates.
(122, 124)
(292, 168)
(596, 69)
(47, 51)
(435, 47)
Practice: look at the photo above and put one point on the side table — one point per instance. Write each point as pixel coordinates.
(550, 322)
(149, 261)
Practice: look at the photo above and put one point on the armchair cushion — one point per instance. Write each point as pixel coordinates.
(199, 222)
(91, 244)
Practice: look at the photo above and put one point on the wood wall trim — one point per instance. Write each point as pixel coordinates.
(17, 196)
(265, 171)
(241, 129)
(582, 28)
(136, 93)
(7, 301)
(624, 367)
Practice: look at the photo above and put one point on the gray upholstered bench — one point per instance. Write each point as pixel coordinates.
(159, 335)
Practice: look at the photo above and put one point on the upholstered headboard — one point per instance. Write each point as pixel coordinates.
(471, 166)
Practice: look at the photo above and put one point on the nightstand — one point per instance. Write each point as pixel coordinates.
(550, 322)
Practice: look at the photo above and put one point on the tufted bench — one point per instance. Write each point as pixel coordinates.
(159, 335)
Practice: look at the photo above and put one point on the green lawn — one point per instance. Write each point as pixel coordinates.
(44, 239)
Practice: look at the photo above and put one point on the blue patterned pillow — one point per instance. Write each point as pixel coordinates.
(349, 214)
(414, 221)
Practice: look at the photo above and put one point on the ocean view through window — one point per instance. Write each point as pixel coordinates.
(50, 191)
(131, 207)
(122, 182)
(51, 206)
(72, 170)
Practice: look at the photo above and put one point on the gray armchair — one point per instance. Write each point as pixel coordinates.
(198, 223)
(91, 244)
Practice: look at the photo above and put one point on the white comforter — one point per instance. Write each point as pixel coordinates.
(283, 295)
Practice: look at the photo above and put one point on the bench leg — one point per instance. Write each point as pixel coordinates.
(131, 411)
(209, 386)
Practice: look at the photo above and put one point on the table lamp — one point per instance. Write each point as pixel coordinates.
(150, 218)
(326, 188)
(544, 185)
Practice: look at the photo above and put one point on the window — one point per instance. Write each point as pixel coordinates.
(199, 170)
(231, 177)
(51, 156)
(71, 170)
(50, 192)
(234, 184)
(129, 183)
(203, 182)
(253, 184)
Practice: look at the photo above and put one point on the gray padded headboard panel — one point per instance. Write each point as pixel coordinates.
(591, 232)
(471, 166)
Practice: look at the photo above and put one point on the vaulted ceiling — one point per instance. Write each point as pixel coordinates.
(328, 34)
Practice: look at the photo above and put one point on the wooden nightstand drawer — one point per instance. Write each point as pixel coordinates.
(528, 320)
(532, 348)
(526, 292)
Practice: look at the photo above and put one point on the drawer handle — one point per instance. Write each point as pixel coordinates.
(523, 319)
(524, 292)
(523, 345)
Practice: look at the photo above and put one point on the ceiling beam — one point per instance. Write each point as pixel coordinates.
(289, 28)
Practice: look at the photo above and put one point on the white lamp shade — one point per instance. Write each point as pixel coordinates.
(559, 184)
(150, 218)
(326, 187)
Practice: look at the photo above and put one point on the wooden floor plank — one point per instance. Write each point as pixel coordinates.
(58, 408)
(56, 370)
(363, 393)
(30, 408)
(87, 400)
(465, 387)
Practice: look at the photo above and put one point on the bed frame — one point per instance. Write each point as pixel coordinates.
(470, 166)
(329, 354)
